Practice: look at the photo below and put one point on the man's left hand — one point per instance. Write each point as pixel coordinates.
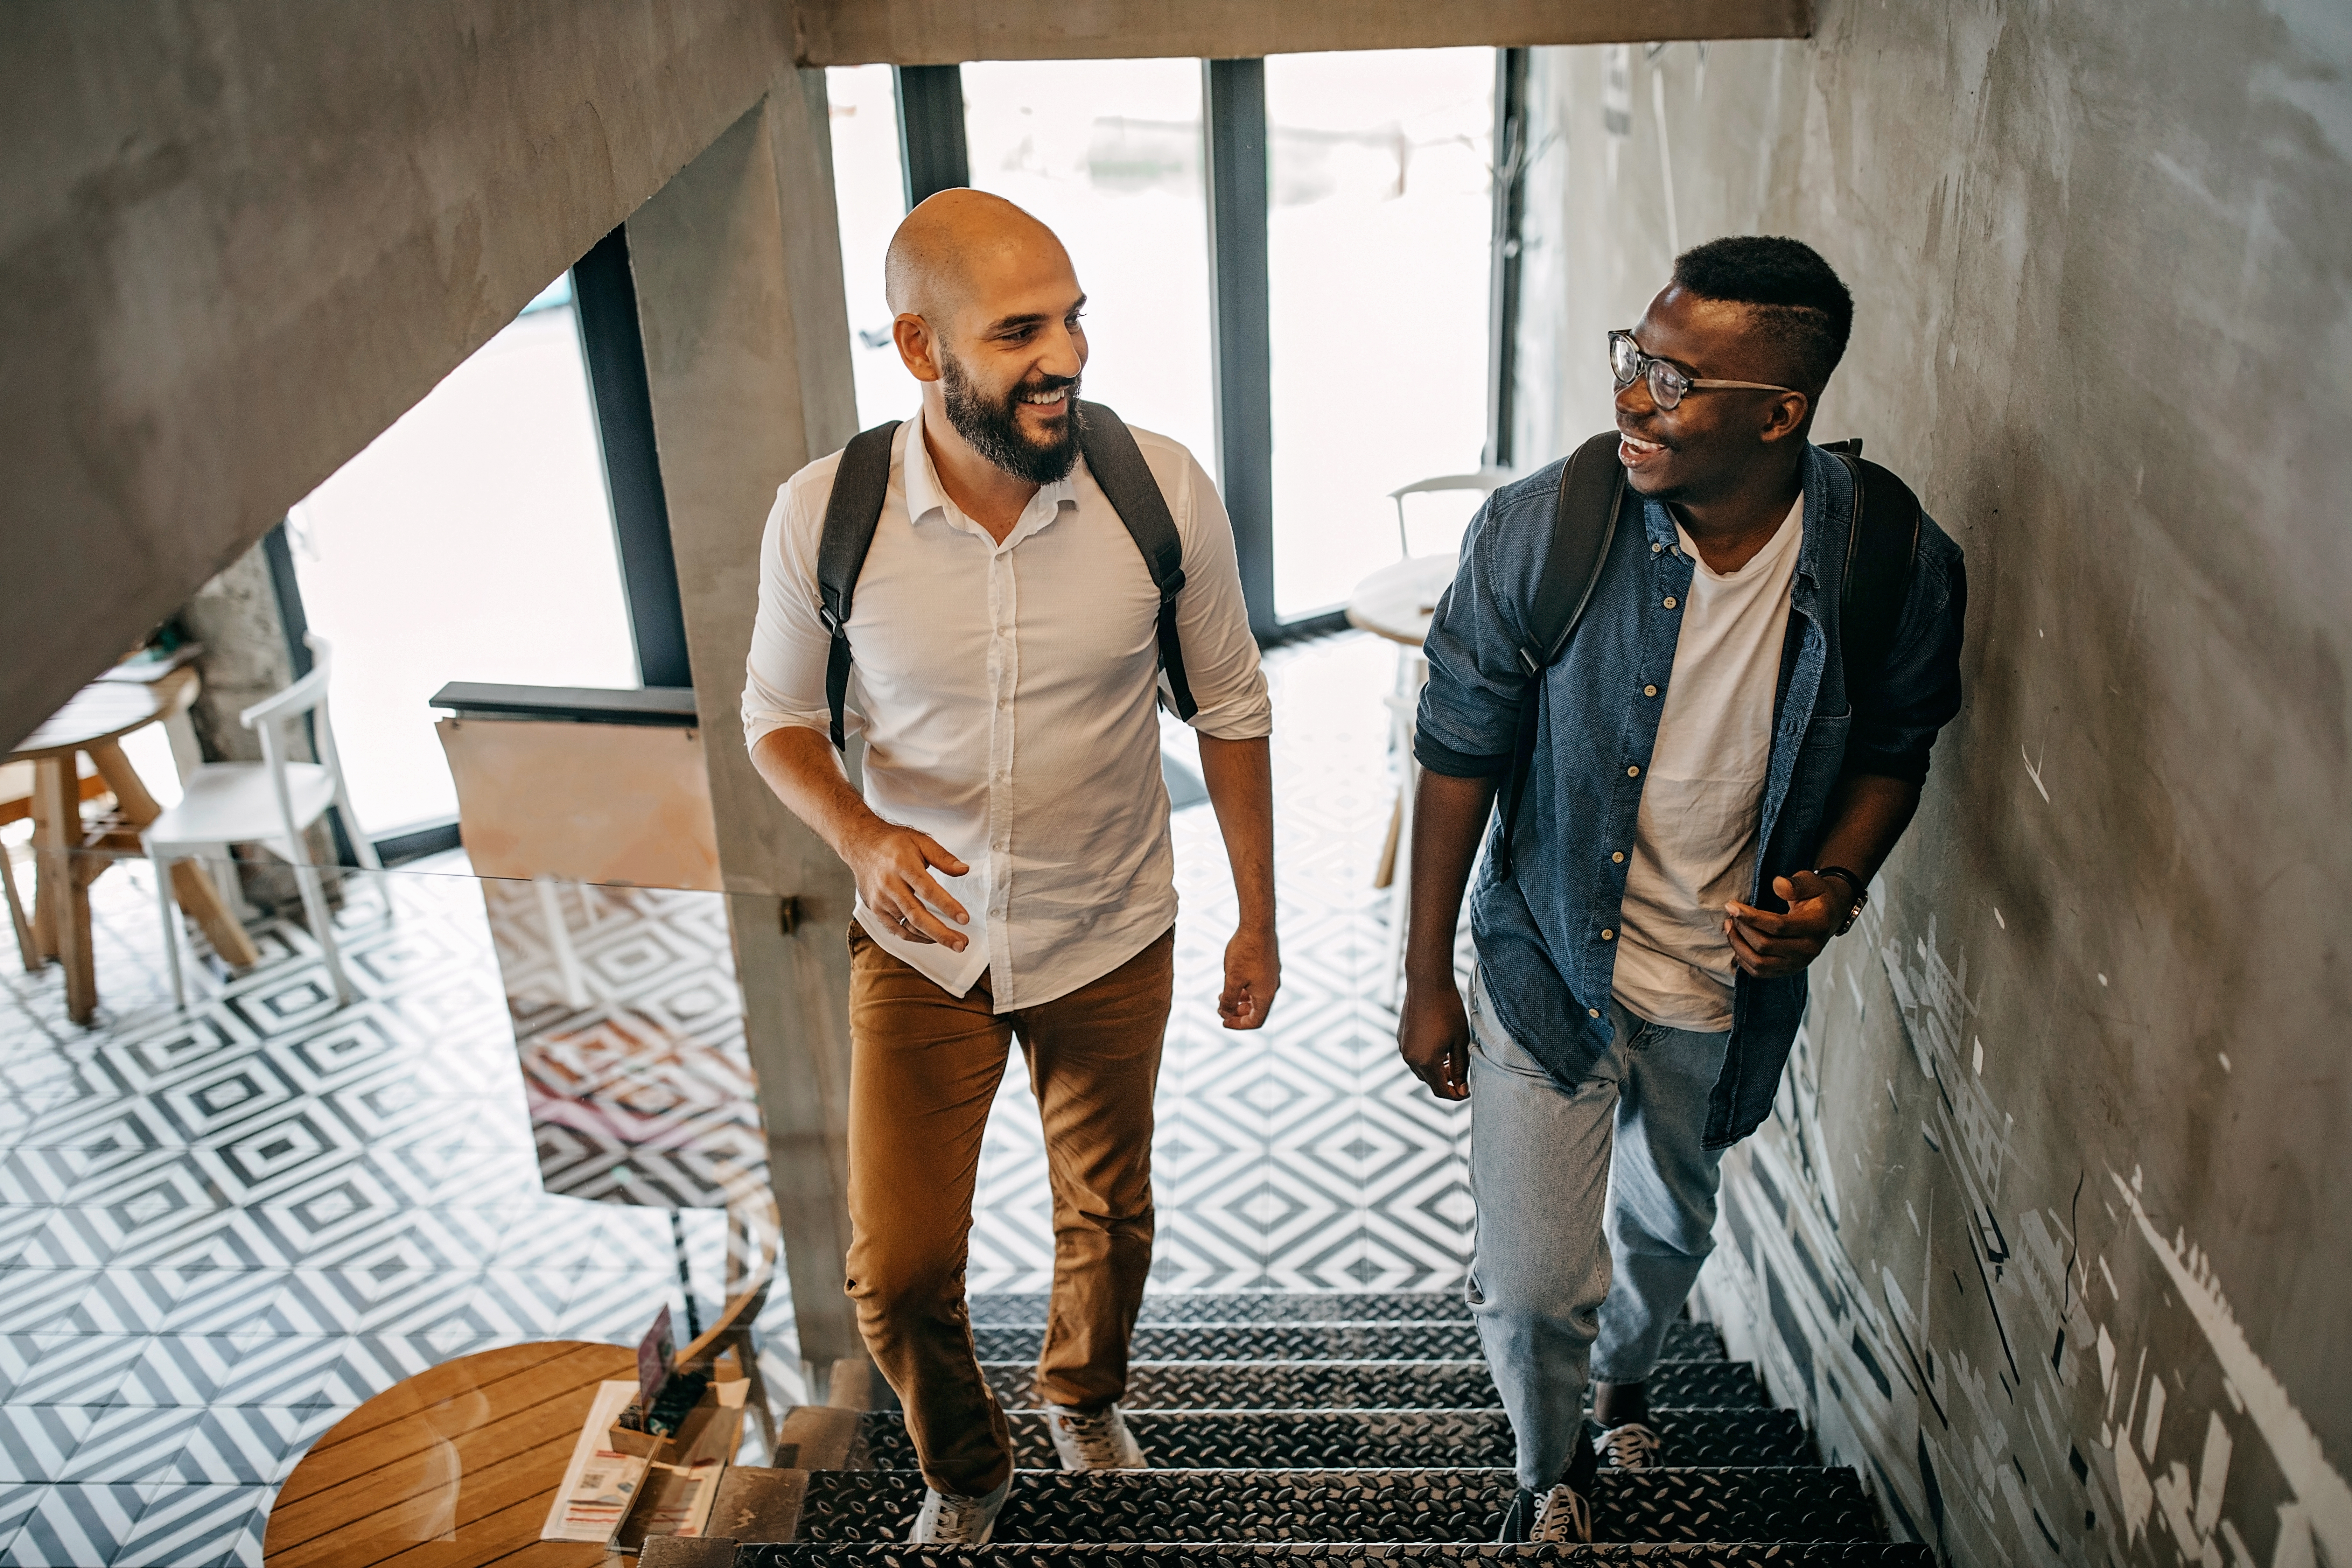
(1252, 974)
(1770, 946)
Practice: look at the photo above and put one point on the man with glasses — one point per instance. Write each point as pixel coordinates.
(1705, 803)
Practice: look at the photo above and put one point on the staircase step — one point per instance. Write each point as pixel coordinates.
(1426, 1341)
(1278, 1554)
(1382, 1439)
(1361, 1385)
(1000, 1309)
(1807, 1504)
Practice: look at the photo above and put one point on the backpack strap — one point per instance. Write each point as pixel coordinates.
(1118, 465)
(1583, 523)
(860, 485)
(1880, 549)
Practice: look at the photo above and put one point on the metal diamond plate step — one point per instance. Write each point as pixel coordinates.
(1361, 1385)
(1382, 1440)
(1362, 1506)
(1251, 1307)
(1431, 1341)
(1267, 1554)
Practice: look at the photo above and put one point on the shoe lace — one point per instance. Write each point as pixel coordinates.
(958, 1521)
(1630, 1447)
(1096, 1438)
(1563, 1515)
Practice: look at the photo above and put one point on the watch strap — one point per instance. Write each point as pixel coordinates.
(1861, 892)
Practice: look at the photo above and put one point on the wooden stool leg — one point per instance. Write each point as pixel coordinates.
(57, 804)
(27, 947)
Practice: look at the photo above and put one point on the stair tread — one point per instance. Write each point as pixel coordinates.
(1316, 1439)
(1423, 1340)
(1284, 1554)
(1360, 1384)
(1369, 1506)
(1006, 1308)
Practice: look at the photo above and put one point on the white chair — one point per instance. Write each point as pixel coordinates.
(271, 803)
(1394, 871)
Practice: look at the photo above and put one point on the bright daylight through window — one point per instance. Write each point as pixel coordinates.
(473, 541)
(1378, 242)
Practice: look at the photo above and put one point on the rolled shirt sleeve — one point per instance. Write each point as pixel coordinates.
(1899, 709)
(783, 677)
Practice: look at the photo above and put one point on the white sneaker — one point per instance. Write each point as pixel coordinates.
(1562, 1515)
(950, 1520)
(1631, 1447)
(1099, 1442)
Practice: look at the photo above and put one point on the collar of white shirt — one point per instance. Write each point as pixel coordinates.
(926, 494)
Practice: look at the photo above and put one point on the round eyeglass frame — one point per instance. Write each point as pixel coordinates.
(1667, 380)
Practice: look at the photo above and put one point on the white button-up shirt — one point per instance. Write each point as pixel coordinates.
(1006, 694)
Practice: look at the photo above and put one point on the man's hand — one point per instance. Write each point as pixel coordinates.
(893, 867)
(1252, 974)
(1768, 946)
(1434, 1037)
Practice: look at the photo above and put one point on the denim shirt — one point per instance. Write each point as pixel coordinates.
(1546, 963)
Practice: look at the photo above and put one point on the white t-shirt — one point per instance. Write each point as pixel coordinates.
(1695, 845)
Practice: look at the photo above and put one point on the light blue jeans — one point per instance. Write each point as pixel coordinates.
(1557, 1173)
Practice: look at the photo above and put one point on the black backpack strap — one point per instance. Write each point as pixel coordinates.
(1583, 522)
(860, 485)
(1880, 549)
(1118, 465)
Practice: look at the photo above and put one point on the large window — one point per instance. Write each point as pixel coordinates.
(1339, 298)
(472, 541)
(1378, 250)
(869, 185)
(1107, 154)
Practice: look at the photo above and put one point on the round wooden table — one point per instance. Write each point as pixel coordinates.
(1397, 602)
(455, 1467)
(94, 720)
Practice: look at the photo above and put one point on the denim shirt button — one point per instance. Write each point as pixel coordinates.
(1670, 601)
(1649, 691)
(1634, 773)
(1593, 1012)
(1608, 935)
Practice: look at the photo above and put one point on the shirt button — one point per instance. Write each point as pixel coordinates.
(1670, 601)
(1649, 691)
(1632, 773)
(1618, 858)
(1593, 1012)
(1608, 935)
(1654, 550)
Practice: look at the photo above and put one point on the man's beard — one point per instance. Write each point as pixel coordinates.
(994, 428)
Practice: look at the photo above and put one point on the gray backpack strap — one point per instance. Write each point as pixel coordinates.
(859, 487)
(1583, 522)
(1879, 552)
(1118, 465)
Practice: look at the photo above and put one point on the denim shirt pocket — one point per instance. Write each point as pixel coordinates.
(1820, 757)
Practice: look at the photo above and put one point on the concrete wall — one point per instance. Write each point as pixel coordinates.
(2050, 1235)
(239, 238)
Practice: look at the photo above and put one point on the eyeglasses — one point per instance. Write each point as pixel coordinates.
(1667, 383)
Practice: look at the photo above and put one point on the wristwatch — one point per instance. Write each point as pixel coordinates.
(1861, 893)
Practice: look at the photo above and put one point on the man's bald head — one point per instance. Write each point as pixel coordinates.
(956, 244)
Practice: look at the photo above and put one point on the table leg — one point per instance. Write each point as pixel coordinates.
(57, 807)
(190, 884)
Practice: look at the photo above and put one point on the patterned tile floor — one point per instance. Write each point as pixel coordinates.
(222, 1229)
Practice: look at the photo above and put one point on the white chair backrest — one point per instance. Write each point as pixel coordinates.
(1486, 481)
(306, 696)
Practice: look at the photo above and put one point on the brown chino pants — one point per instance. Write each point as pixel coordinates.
(924, 1070)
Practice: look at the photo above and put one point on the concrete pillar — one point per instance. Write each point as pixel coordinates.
(737, 268)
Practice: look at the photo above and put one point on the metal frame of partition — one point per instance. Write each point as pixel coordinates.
(1512, 155)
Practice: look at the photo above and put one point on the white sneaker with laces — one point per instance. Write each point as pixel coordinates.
(950, 1520)
(1096, 1442)
(1631, 1446)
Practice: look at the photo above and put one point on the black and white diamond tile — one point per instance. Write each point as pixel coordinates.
(223, 1228)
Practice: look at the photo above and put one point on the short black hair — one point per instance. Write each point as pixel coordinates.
(1798, 300)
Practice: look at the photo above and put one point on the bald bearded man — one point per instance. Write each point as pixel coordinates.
(1010, 846)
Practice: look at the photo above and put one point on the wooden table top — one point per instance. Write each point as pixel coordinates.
(1397, 602)
(454, 1468)
(102, 710)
